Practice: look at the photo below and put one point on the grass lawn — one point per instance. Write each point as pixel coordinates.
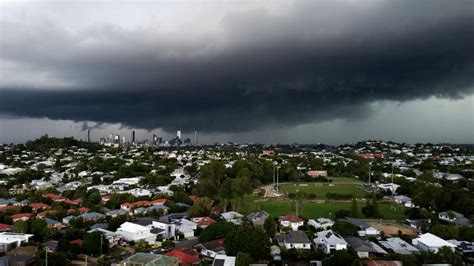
(279, 207)
(275, 207)
(321, 189)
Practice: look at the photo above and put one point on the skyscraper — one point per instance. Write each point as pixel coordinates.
(178, 134)
(133, 136)
(195, 138)
(88, 135)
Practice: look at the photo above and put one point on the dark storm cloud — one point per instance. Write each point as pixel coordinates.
(316, 62)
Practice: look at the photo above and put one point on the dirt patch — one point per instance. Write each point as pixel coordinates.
(391, 229)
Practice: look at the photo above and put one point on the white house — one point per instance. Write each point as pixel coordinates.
(166, 230)
(292, 221)
(134, 232)
(392, 187)
(430, 242)
(369, 231)
(321, 223)
(186, 227)
(454, 218)
(297, 239)
(404, 200)
(9, 241)
(212, 248)
(232, 217)
(328, 241)
(224, 260)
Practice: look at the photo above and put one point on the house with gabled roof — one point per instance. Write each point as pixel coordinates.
(329, 241)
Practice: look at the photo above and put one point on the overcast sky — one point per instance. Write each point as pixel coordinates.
(244, 71)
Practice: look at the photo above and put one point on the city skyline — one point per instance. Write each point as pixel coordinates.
(262, 72)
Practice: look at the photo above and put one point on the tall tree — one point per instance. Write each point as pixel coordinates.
(354, 208)
(251, 240)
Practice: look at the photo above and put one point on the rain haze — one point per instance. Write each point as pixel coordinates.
(243, 71)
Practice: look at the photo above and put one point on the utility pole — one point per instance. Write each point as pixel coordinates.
(392, 181)
(273, 181)
(369, 174)
(46, 260)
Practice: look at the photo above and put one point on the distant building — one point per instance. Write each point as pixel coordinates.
(316, 173)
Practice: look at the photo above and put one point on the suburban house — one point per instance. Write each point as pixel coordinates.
(9, 241)
(404, 200)
(321, 223)
(223, 260)
(453, 218)
(134, 232)
(292, 221)
(328, 241)
(369, 231)
(21, 217)
(159, 228)
(184, 255)
(258, 218)
(294, 239)
(203, 222)
(232, 217)
(430, 242)
(212, 248)
(186, 227)
(465, 248)
(112, 237)
(398, 246)
(365, 248)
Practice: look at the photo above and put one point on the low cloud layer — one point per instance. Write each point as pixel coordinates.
(240, 69)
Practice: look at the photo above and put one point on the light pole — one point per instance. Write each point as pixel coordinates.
(278, 168)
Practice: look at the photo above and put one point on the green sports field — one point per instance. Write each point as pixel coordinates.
(339, 185)
(315, 209)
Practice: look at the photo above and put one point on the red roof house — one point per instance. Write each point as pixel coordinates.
(158, 202)
(185, 255)
(53, 197)
(4, 227)
(45, 213)
(21, 216)
(39, 205)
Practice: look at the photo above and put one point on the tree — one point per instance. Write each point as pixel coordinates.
(115, 222)
(243, 259)
(354, 208)
(20, 227)
(371, 209)
(345, 228)
(251, 240)
(168, 244)
(201, 207)
(102, 261)
(40, 229)
(270, 226)
(92, 244)
(447, 255)
(93, 198)
(445, 231)
(215, 231)
(141, 246)
(341, 257)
